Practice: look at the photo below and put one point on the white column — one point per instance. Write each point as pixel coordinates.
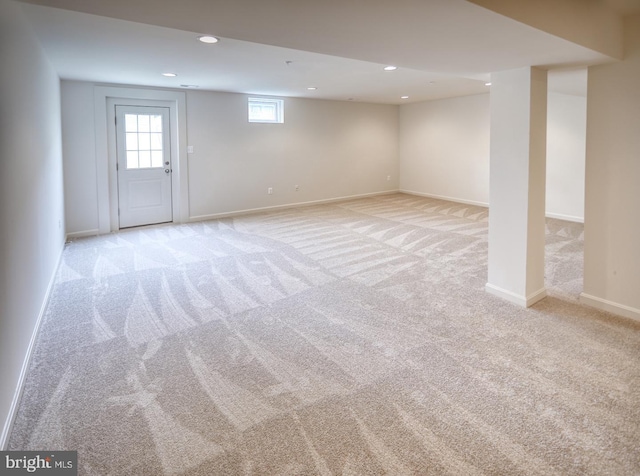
(517, 185)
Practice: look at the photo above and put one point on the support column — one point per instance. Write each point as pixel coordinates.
(517, 185)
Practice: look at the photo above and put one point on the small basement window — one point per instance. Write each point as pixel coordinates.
(266, 110)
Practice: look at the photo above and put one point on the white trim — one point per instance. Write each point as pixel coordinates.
(610, 306)
(248, 211)
(442, 197)
(559, 216)
(112, 104)
(105, 96)
(82, 234)
(13, 409)
(522, 301)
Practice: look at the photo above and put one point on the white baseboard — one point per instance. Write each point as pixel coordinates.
(442, 197)
(523, 301)
(249, 211)
(8, 424)
(559, 216)
(610, 306)
(83, 234)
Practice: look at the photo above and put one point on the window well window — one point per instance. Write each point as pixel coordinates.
(266, 110)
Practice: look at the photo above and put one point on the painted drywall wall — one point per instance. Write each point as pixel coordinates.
(444, 151)
(444, 148)
(31, 192)
(328, 148)
(612, 202)
(79, 145)
(566, 143)
(517, 197)
(595, 25)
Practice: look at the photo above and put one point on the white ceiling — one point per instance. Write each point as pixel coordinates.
(443, 48)
(93, 48)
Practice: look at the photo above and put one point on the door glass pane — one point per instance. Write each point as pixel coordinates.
(131, 122)
(145, 158)
(144, 142)
(156, 141)
(156, 158)
(132, 159)
(156, 124)
(132, 141)
(143, 123)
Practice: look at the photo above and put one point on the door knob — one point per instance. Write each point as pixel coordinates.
(166, 171)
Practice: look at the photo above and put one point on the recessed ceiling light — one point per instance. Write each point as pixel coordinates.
(312, 88)
(208, 39)
(169, 75)
(192, 86)
(487, 84)
(404, 97)
(390, 68)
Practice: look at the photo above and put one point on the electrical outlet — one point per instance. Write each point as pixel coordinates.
(297, 187)
(270, 191)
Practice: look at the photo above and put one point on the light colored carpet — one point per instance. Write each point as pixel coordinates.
(353, 338)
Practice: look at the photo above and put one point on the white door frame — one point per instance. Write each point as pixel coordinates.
(105, 100)
(140, 184)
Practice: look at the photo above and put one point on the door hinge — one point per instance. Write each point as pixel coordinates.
(117, 166)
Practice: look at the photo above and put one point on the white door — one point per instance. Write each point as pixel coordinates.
(144, 165)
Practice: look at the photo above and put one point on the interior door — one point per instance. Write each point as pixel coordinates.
(144, 165)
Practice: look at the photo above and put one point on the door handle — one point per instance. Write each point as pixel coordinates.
(166, 171)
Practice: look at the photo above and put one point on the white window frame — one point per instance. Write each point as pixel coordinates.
(278, 106)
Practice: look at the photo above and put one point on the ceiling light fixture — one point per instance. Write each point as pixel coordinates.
(208, 39)
(312, 88)
(487, 84)
(192, 86)
(404, 97)
(390, 68)
(169, 75)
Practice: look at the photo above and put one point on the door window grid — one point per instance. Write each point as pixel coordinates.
(143, 140)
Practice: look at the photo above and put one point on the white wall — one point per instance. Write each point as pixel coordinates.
(444, 151)
(612, 204)
(566, 143)
(79, 147)
(31, 192)
(444, 148)
(330, 149)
